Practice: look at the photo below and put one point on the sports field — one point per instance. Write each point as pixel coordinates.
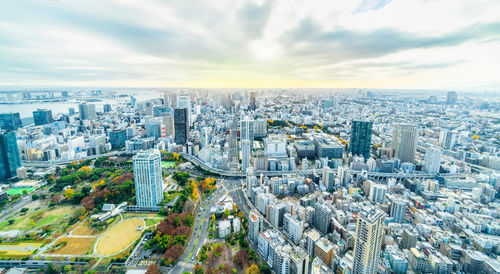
(19, 191)
(166, 164)
(119, 236)
(75, 246)
(18, 249)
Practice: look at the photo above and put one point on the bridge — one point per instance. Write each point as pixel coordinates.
(46, 164)
(377, 176)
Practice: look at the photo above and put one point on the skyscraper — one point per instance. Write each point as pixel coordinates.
(404, 142)
(432, 160)
(451, 97)
(9, 155)
(252, 100)
(368, 242)
(184, 101)
(245, 154)
(246, 130)
(361, 137)
(10, 121)
(181, 125)
(42, 117)
(147, 178)
(87, 111)
(106, 108)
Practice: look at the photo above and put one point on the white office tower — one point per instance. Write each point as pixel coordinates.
(147, 178)
(254, 225)
(247, 130)
(404, 142)
(432, 160)
(398, 208)
(368, 242)
(245, 155)
(184, 101)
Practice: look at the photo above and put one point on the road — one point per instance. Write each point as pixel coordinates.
(188, 260)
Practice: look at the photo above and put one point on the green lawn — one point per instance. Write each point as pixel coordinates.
(166, 164)
(58, 215)
(19, 191)
(150, 222)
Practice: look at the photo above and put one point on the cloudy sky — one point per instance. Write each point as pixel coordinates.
(434, 44)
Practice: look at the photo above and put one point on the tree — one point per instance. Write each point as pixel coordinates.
(253, 269)
(25, 191)
(180, 240)
(24, 209)
(188, 220)
(153, 269)
(226, 212)
(265, 269)
(198, 269)
(240, 258)
(11, 221)
(69, 193)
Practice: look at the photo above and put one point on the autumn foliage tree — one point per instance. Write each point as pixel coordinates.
(173, 253)
(240, 258)
(153, 269)
(253, 269)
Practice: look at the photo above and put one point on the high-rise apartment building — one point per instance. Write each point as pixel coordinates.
(377, 192)
(293, 227)
(181, 125)
(247, 129)
(245, 154)
(328, 178)
(432, 160)
(448, 139)
(398, 208)
(10, 121)
(404, 142)
(368, 241)
(361, 137)
(42, 117)
(255, 225)
(9, 155)
(87, 111)
(322, 217)
(276, 213)
(148, 178)
(260, 128)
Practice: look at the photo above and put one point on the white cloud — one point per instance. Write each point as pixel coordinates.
(398, 43)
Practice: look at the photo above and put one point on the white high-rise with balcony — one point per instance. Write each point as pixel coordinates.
(147, 178)
(368, 242)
